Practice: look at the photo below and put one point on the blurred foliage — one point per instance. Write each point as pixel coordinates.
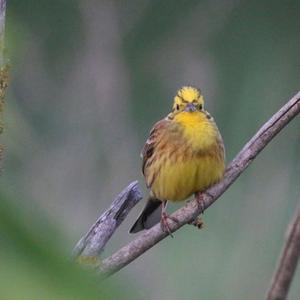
(34, 266)
(89, 78)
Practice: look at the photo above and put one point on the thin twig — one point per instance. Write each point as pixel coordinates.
(190, 211)
(93, 242)
(2, 30)
(287, 262)
(3, 69)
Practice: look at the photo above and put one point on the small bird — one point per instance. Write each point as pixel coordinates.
(183, 155)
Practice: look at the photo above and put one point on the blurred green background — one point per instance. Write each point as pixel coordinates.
(88, 80)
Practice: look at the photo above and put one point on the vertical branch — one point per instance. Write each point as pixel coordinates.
(3, 67)
(288, 261)
(2, 30)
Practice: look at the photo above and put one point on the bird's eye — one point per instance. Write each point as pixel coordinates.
(200, 106)
(177, 106)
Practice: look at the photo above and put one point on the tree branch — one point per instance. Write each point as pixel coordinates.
(287, 263)
(191, 210)
(3, 69)
(2, 30)
(93, 242)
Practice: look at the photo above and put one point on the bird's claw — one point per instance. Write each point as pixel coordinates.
(200, 202)
(165, 225)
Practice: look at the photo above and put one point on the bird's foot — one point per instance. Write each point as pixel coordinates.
(164, 223)
(200, 201)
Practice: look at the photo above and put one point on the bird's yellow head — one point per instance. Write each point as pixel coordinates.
(188, 99)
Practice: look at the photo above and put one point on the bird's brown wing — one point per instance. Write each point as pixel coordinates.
(151, 212)
(220, 143)
(148, 151)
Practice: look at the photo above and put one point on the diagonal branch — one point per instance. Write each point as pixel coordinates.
(92, 243)
(288, 261)
(190, 211)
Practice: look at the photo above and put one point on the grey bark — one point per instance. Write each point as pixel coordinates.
(93, 242)
(287, 262)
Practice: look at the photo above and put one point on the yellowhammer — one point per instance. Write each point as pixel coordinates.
(184, 154)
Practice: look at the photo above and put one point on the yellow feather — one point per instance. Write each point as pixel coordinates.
(198, 160)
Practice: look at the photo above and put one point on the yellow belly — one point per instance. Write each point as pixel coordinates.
(176, 181)
(188, 157)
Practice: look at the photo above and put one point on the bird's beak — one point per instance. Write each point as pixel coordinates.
(190, 107)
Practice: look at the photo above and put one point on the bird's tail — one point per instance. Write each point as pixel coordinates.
(149, 216)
